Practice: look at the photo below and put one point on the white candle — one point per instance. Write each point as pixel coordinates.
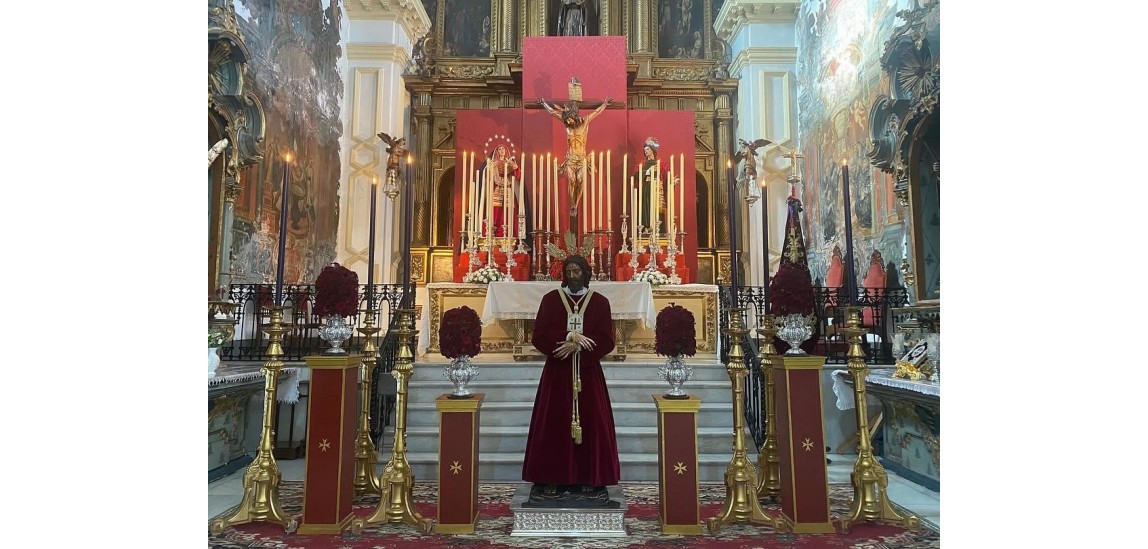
(609, 197)
(638, 208)
(534, 188)
(635, 198)
(463, 203)
(521, 188)
(557, 216)
(626, 192)
(546, 189)
(656, 202)
(670, 199)
(682, 190)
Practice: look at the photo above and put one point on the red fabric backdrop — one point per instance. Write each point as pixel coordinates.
(548, 62)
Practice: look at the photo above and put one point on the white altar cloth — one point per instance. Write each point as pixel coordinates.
(519, 300)
(884, 376)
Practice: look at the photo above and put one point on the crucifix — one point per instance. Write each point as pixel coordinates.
(575, 163)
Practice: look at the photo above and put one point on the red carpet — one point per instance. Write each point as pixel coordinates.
(495, 522)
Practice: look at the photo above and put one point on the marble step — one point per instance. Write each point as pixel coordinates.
(524, 390)
(626, 414)
(631, 440)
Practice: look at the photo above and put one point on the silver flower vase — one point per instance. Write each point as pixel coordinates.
(335, 332)
(676, 372)
(794, 331)
(460, 372)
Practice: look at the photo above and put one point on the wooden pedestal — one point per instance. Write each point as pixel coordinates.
(332, 412)
(801, 441)
(458, 464)
(678, 498)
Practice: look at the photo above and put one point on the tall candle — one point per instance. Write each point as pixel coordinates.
(669, 199)
(682, 191)
(634, 226)
(408, 203)
(557, 216)
(765, 241)
(371, 246)
(850, 275)
(521, 205)
(625, 183)
(286, 190)
(534, 189)
(638, 210)
(732, 213)
(656, 200)
(609, 196)
(464, 205)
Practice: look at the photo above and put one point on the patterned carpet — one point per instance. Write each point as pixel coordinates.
(496, 521)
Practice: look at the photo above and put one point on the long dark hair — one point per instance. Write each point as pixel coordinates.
(581, 262)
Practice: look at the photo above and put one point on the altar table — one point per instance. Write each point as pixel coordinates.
(507, 312)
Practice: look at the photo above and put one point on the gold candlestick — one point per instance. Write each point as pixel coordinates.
(366, 482)
(741, 503)
(261, 481)
(870, 499)
(768, 458)
(397, 479)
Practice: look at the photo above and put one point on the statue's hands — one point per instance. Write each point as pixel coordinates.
(584, 342)
(565, 349)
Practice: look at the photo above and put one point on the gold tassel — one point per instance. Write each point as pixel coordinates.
(576, 432)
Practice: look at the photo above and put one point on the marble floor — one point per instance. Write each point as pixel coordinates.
(226, 492)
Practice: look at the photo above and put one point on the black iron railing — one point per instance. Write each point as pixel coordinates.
(876, 304)
(253, 314)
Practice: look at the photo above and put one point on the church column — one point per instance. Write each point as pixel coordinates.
(721, 181)
(231, 188)
(421, 129)
(765, 64)
(506, 43)
(375, 101)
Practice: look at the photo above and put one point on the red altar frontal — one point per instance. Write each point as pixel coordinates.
(575, 161)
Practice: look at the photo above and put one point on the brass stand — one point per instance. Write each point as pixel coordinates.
(768, 458)
(261, 481)
(870, 499)
(397, 479)
(366, 482)
(741, 503)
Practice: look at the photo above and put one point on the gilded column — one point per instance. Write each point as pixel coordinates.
(421, 101)
(604, 18)
(507, 26)
(724, 147)
(641, 24)
(231, 188)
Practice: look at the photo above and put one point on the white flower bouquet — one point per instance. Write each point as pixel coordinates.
(655, 278)
(215, 339)
(485, 275)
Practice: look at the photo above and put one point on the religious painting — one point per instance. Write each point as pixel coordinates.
(839, 74)
(572, 18)
(295, 48)
(466, 28)
(681, 29)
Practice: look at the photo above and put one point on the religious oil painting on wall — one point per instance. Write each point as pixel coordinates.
(466, 28)
(681, 29)
(295, 51)
(839, 71)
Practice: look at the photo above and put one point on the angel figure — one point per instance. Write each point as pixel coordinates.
(748, 155)
(397, 149)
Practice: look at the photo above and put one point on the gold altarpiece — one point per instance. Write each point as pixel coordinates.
(442, 84)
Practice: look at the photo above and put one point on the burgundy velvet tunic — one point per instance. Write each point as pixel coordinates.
(551, 455)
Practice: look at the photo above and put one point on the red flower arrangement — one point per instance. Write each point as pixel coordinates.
(460, 333)
(336, 291)
(675, 332)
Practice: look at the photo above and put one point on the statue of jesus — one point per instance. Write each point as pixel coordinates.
(577, 132)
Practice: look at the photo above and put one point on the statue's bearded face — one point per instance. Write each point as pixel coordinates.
(574, 277)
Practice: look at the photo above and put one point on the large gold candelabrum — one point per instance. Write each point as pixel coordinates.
(768, 458)
(261, 481)
(869, 480)
(741, 504)
(366, 482)
(397, 479)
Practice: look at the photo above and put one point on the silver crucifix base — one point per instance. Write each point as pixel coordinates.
(592, 522)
